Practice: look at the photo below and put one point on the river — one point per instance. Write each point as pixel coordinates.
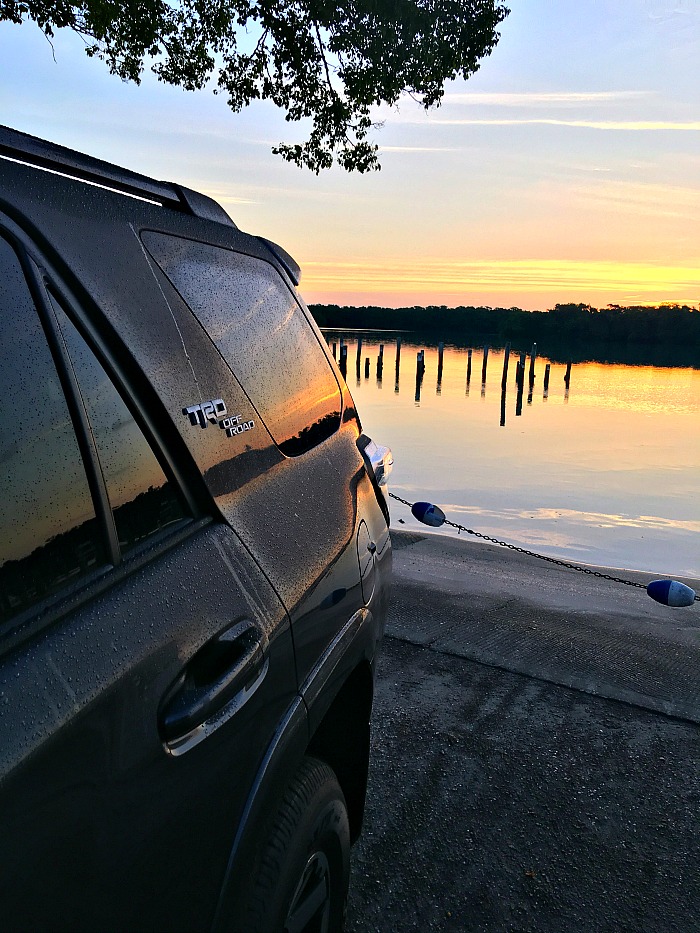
(606, 472)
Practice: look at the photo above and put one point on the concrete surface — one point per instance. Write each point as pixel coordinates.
(535, 752)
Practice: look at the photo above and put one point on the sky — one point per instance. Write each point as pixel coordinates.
(566, 169)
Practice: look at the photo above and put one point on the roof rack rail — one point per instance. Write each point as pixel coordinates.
(34, 151)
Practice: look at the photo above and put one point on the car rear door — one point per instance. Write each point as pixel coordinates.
(145, 661)
(304, 520)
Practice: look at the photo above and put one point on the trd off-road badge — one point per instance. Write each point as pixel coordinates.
(214, 412)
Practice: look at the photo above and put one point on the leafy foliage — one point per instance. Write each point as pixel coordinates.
(329, 62)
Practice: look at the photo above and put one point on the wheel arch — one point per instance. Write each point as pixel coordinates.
(342, 740)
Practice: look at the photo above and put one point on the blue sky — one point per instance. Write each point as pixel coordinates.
(566, 169)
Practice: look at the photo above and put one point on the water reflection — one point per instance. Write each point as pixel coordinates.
(620, 441)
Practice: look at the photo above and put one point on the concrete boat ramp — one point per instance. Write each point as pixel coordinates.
(535, 751)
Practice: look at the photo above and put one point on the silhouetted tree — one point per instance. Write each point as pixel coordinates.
(316, 59)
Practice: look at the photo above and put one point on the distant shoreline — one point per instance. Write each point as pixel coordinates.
(667, 335)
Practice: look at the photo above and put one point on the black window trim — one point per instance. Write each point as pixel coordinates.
(115, 373)
(56, 606)
(166, 443)
(38, 287)
(53, 607)
(83, 429)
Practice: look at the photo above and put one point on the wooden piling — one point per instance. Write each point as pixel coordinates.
(335, 350)
(469, 366)
(398, 352)
(484, 364)
(506, 355)
(519, 396)
(366, 367)
(546, 377)
(567, 375)
(533, 357)
(343, 360)
(420, 370)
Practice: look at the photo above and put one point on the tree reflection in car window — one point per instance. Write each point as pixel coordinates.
(142, 499)
(49, 535)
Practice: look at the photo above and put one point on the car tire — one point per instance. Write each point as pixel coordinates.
(302, 882)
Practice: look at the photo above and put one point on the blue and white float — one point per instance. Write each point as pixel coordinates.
(671, 593)
(428, 513)
(667, 592)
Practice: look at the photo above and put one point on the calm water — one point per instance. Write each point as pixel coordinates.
(608, 473)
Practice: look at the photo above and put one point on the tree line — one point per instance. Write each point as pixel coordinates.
(667, 324)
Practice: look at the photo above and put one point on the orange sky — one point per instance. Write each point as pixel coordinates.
(566, 169)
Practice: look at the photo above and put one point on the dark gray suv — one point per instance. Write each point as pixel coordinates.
(194, 566)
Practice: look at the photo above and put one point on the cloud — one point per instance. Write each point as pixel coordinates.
(504, 276)
(418, 149)
(623, 125)
(535, 99)
(650, 200)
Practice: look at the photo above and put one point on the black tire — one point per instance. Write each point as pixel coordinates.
(304, 872)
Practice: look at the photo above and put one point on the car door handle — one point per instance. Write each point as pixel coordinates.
(224, 667)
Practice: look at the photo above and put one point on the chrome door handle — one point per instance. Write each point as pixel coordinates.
(224, 667)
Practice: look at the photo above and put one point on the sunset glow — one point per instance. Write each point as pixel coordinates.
(567, 169)
(544, 282)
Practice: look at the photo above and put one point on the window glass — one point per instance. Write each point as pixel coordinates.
(261, 332)
(142, 499)
(49, 535)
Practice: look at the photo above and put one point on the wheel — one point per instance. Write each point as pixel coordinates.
(302, 882)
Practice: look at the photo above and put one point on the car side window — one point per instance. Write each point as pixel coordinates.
(261, 332)
(49, 533)
(143, 500)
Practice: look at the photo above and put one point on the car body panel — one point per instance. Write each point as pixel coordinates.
(84, 698)
(103, 826)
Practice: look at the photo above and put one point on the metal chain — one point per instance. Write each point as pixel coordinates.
(522, 550)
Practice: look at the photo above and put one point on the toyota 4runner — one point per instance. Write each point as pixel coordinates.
(194, 564)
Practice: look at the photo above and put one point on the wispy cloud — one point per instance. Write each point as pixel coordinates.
(543, 99)
(650, 200)
(624, 125)
(418, 149)
(655, 282)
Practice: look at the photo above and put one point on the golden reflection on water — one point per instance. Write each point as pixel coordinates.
(606, 473)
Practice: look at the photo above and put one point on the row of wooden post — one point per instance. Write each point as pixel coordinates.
(420, 364)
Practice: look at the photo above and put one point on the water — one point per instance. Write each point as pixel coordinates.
(606, 473)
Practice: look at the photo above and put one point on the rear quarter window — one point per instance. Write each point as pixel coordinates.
(259, 328)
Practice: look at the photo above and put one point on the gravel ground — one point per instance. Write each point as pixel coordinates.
(503, 802)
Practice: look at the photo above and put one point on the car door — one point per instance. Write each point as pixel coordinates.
(145, 661)
(316, 491)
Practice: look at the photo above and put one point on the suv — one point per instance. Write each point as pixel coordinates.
(194, 566)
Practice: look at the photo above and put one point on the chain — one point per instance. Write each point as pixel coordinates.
(522, 550)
